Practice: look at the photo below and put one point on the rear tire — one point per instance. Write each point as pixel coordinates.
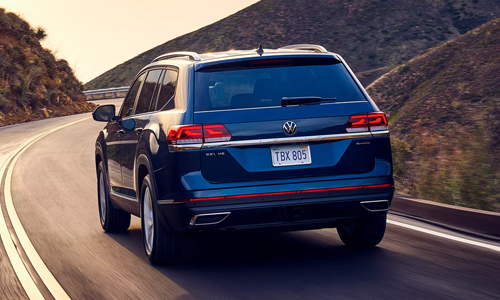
(367, 232)
(112, 219)
(160, 245)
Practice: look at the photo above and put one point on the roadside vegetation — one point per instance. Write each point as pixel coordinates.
(372, 35)
(33, 83)
(443, 108)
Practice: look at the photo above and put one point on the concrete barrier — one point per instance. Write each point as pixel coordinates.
(475, 220)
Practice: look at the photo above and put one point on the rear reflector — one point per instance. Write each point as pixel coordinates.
(367, 122)
(288, 193)
(197, 134)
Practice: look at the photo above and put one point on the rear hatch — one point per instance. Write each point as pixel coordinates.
(285, 118)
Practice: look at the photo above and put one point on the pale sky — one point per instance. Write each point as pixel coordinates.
(96, 35)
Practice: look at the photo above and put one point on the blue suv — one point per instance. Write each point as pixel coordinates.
(283, 139)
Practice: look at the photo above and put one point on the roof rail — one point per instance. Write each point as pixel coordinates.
(192, 56)
(310, 47)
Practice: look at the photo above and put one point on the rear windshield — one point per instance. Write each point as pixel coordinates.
(262, 87)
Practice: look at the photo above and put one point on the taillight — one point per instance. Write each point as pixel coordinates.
(357, 123)
(197, 134)
(367, 122)
(185, 134)
(377, 121)
(216, 133)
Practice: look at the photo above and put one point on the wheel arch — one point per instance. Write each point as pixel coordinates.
(99, 156)
(143, 168)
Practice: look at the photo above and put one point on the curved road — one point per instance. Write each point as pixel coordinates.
(54, 194)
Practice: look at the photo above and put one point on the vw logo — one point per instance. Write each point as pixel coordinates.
(290, 127)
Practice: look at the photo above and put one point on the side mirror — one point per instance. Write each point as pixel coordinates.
(104, 113)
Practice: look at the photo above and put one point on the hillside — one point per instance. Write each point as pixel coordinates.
(33, 83)
(444, 106)
(372, 35)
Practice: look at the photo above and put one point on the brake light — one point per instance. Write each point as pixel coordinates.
(216, 133)
(367, 122)
(197, 134)
(271, 62)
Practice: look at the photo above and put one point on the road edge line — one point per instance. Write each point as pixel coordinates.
(446, 236)
(41, 269)
(27, 282)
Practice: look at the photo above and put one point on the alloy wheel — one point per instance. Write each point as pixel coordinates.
(149, 226)
(102, 198)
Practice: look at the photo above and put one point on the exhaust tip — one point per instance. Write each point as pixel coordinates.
(208, 219)
(376, 205)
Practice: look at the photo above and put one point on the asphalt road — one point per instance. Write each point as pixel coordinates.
(54, 193)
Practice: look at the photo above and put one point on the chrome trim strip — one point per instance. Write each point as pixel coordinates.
(384, 133)
(375, 201)
(165, 201)
(123, 196)
(302, 139)
(193, 220)
(179, 148)
(289, 140)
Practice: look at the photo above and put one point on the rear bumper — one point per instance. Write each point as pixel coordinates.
(277, 212)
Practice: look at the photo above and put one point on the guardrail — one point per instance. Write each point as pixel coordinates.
(479, 221)
(111, 93)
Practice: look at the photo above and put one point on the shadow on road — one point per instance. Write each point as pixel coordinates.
(261, 265)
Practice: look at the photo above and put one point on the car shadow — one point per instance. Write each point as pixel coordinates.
(261, 265)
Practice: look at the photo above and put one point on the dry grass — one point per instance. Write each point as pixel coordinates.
(445, 104)
(33, 83)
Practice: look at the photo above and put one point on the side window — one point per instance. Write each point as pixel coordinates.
(147, 91)
(167, 91)
(128, 103)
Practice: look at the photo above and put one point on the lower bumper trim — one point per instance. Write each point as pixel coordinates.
(208, 219)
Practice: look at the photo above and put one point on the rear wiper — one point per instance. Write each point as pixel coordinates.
(286, 101)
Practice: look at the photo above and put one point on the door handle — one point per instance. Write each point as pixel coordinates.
(138, 130)
(121, 131)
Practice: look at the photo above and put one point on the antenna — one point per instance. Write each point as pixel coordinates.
(260, 51)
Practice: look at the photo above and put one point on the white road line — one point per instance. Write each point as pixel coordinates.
(26, 281)
(445, 236)
(22, 273)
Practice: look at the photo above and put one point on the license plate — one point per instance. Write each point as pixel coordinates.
(291, 155)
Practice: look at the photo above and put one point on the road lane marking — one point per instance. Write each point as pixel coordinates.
(22, 273)
(20, 269)
(446, 236)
